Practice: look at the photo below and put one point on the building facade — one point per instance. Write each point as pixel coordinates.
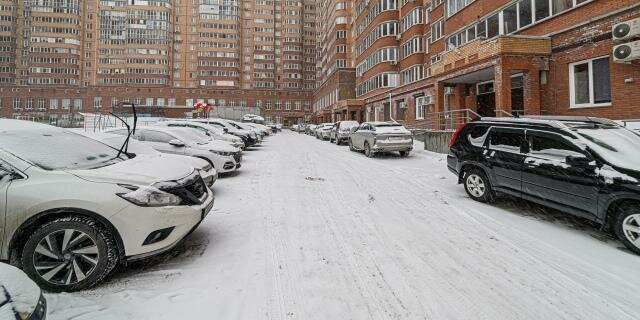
(85, 56)
(437, 63)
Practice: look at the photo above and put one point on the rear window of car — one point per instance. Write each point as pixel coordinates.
(506, 139)
(477, 134)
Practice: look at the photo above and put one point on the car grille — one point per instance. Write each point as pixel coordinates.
(192, 190)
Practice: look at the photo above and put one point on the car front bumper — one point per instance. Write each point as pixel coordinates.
(136, 223)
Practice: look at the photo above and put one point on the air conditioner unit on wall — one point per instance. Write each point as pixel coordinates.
(398, 37)
(627, 52)
(626, 30)
(393, 62)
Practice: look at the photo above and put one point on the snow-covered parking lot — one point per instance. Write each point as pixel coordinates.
(310, 230)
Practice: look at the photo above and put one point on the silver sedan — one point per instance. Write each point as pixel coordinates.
(378, 137)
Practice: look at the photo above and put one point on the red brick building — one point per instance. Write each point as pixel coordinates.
(461, 58)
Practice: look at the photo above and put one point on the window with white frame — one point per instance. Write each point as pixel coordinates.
(519, 14)
(412, 18)
(414, 45)
(412, 74)
(421, 103)
(437, 30)
(453, 6)
(590, 83)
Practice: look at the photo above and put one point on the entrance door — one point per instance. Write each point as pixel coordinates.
(517, 94)
(486, 100)
(387, 112)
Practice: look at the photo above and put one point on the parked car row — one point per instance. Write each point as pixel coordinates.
(372, 138)
(77, 204)
(584, 166)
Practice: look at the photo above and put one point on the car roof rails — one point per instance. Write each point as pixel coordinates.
(585, 119)
(553, 121)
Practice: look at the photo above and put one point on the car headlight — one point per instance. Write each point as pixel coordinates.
(222, 153)
(149, 196)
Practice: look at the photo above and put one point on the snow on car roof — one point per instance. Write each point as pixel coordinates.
(15, 125)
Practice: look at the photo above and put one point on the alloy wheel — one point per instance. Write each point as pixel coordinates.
(631, 229)
(475, 185)
(66, 257)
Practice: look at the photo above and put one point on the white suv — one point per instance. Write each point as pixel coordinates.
(72, 208)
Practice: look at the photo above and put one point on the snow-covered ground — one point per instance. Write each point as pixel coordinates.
(310, 230)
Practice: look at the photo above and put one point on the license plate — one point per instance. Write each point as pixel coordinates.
(206, 210)
(395, 138)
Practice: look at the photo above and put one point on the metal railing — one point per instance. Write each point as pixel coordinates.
(445, 120)
(512, 113)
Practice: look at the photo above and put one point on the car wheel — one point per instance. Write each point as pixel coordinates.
(627, 226)
(351, 145)
(404, 153)
(367, 150)
(70, 254)
(337, 141)
(477, 185)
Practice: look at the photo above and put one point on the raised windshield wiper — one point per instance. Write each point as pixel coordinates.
(125, 145)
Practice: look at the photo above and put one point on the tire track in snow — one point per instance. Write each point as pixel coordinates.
(553, 275)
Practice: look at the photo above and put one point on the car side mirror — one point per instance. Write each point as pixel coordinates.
(4, 173)
(354, 129)
(578, 161)
(176, 143)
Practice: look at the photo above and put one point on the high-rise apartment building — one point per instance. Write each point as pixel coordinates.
(168, 53)
(336, 74)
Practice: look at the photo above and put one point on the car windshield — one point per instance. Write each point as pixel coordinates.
(58, 149)
(348, 124)
(616, 145)
(135, 146)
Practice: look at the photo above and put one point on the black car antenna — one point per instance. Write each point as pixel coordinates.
(125, 146)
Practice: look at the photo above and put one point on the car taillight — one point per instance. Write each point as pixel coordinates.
(455, 134)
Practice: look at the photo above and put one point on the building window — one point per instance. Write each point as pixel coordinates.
(17, 104)
(97, 102)
(453, 6)
(437, 29)
(53, 103)
(589, 83)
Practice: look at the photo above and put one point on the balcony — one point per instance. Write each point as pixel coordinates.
(481, 49)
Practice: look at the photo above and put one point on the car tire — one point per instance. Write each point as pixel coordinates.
(627, 226)
(404, 154)
(338, 142)
(477, 185)
(90, 255)
(367, 150)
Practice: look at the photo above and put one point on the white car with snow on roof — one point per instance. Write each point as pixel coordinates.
(208, 173)
(74, 208)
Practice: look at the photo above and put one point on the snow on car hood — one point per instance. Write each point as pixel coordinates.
(23, 291)
(141, 170)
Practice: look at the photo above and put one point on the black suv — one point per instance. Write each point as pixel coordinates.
(589, 167)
